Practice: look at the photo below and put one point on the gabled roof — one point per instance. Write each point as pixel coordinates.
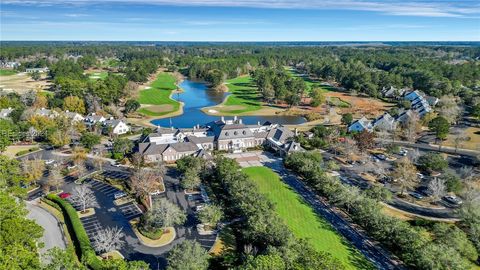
(200, 140)
(184, 146)
(292, 146)
(280, 134)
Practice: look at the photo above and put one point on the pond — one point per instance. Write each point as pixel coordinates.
(197, 95)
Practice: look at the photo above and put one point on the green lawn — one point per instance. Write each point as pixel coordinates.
(159, 96)
(309, 82)
(244, 96)
(97, 75)
(7, 72)
(303, 221)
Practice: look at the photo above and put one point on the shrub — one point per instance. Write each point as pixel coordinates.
(79, 236)
(23, 152)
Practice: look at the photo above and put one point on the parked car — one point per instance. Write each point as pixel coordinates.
(120, 194)
(425, 191)
(381, 156)
(156, 192)
(403, 152)
(453, 199)
(49, 161)
(416, 195)
(420, 176)
(64, 195)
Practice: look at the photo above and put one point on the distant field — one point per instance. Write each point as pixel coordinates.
(7, 72)
(303, 221)
(157, 98)
(21, 82)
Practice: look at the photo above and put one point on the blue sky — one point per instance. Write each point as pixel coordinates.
(241, 20)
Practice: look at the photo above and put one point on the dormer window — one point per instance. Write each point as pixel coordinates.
(244, 132)
(226, 133)
(235, 133)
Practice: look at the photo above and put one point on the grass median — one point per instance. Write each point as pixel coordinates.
(303, 221)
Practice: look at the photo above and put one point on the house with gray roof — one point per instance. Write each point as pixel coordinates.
(384, 122)
(360, 125)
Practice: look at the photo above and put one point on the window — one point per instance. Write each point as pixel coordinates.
(244, 132)
(226, 133)
(235, 133)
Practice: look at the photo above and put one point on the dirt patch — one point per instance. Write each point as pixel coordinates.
(23, 82)
(159, 108)
(360, 106)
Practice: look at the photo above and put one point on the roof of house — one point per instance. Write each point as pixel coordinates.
(364, 122)
(184, 146)
(200, 140)
(280, 134)
(112, 122)
(292, 147)
(152, 149)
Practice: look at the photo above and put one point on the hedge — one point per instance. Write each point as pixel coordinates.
(23, 152)
(79, 236)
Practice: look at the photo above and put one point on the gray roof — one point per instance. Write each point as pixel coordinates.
(152, 148)
(224, 131)
(280, 134)
(260, 134)
(200, 140)
(184, 146)
(292, 147)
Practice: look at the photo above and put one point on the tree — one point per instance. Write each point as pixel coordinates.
(163, 214)
(19, 235)
(59, 138)
(440, 127)
(347, 119)
(58, 259)
(144, 182)
(74, 104)
(190, 180)
(83, 196)
(265, 262)
(11, 175)
(36, 76)
(89, 140)
(317, 97)
(33, 169)
(190, 163)
(433, 162)
(452, 182)
(437, 187)
(405, 173)
(411, 126)
(41, 101)
(122, 146)
(108, 239)
(476, 111)
(55, 178)
(449, 109)
(458, 139)
(365, 140)
(188, 255)
(8, 131)
(131, 106)
(211, 214)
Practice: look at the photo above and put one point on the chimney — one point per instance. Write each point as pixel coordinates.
(296, 131)
(67, 111)
(258, 123)
(240, 121)
(223, 119)
(235, 118)
(198, 126)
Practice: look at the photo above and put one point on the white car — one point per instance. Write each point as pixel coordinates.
(156, 192)
(453, 199)
(49, 161)
(119, 195)
(71, 167)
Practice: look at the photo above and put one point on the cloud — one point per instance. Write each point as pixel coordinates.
(420, 8)
(75, 15)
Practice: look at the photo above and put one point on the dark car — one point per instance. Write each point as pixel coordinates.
(416, 195)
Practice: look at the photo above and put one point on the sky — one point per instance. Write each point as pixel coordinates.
(241, 20)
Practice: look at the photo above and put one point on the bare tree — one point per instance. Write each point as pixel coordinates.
(33, 169)
(405, 174)
(108, 239)
(415, 154)
(55, 178)
(411, 127)
(98, 163)
(437, 187)
(449, 108)
(83, 196)
(466, 173)
(144, 182)
(458, 139)
(137, 161)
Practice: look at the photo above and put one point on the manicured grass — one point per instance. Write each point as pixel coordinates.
(97, 75)
(311, 84)
(159, 94)
(335, 101)
(244, 96)
(7, 72)
(303, 221)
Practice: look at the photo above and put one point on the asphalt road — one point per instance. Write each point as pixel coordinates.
(53, 234)
(374, 253)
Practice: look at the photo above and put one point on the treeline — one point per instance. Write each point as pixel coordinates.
(258, 228)
(425, 246)
(276, 85)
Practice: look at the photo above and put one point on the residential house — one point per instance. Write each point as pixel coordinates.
(10, 64)
(384, 122)
(47, 113)
(93, 119)
(5, 113)
(39, 70)
(393, 92)
(115, 126)
(360, 125)
(75, 117)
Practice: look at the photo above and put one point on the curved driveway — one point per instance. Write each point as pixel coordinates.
(53, 234)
